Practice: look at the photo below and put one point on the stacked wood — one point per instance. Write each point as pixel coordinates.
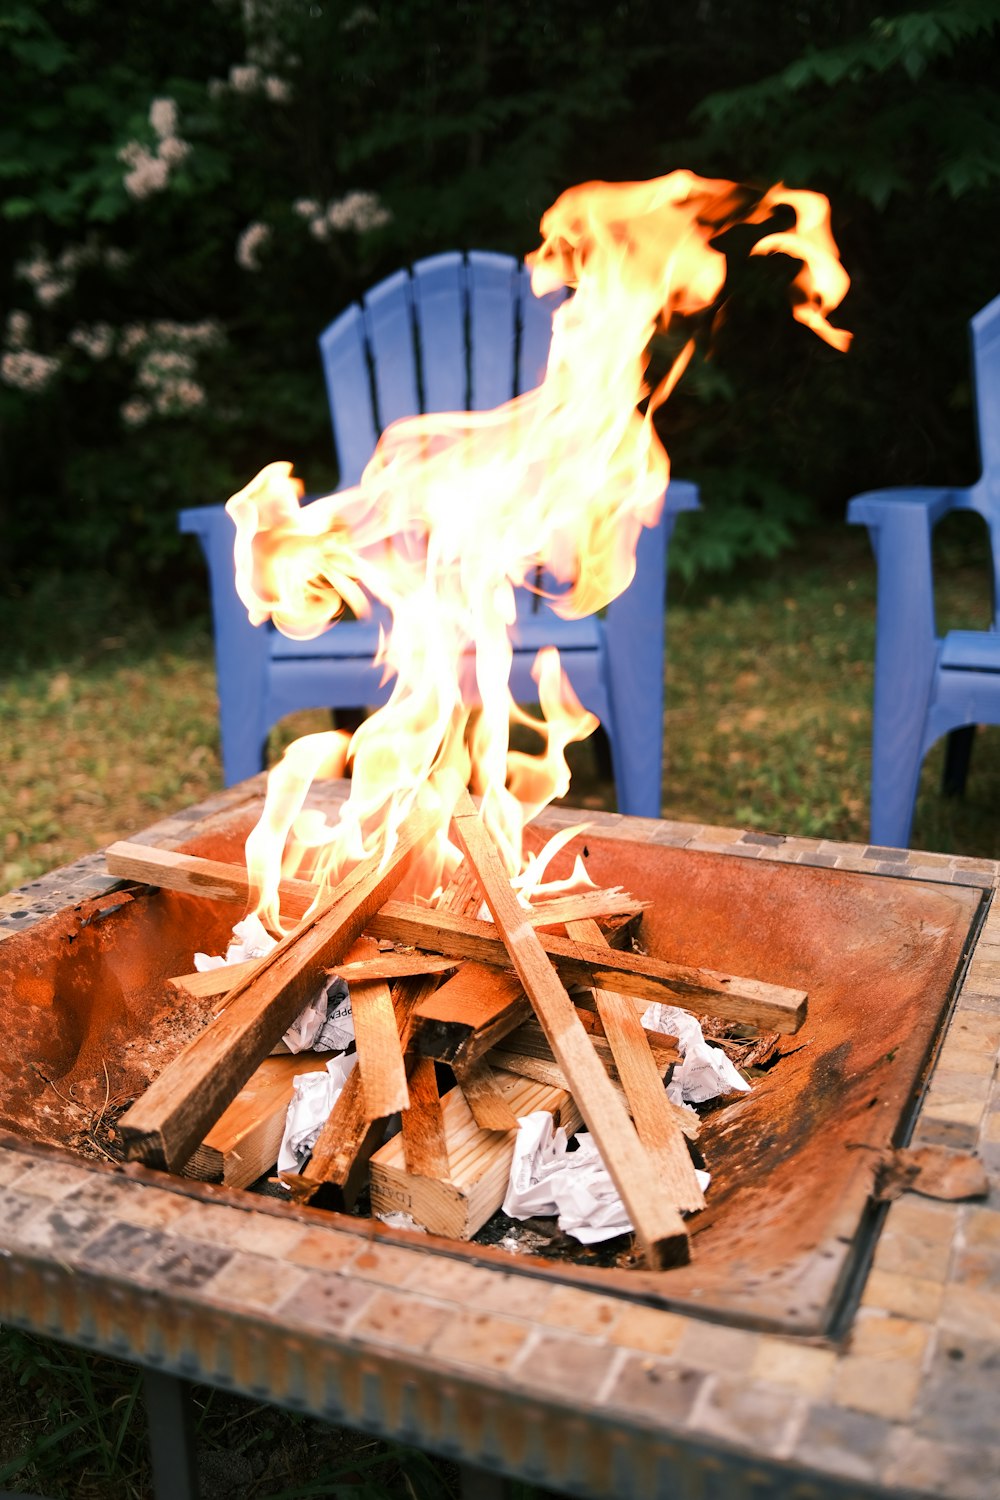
(485, 998)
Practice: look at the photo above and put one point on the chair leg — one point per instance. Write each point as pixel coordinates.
(957, 755)
(171, 1436)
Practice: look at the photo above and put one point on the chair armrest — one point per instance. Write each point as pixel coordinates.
(919, 507)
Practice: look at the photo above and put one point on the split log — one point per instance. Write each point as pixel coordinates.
(658, 1224)
(649, 1106)
(459, 1204)
(176, 1112)
(390, 965)
(243, 1143)
(530, 1041)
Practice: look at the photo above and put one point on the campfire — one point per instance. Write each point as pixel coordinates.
(539, 1010)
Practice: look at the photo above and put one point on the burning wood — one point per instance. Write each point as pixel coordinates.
(167, 1124)
(770, 1007)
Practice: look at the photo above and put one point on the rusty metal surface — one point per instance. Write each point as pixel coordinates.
(791, 1162)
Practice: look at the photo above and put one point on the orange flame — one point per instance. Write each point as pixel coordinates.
(457, 510)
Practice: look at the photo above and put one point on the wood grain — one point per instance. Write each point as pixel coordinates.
(380, 1057)
(176, 1112)
(643, 1084)
(658, 1225)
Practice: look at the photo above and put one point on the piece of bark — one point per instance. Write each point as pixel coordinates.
(649, 1106)
(243, 1143)
(658, 1225)
(458, 1204)
(176, 1112)
(376, 1036)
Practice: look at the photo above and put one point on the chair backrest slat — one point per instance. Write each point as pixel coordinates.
(986, 360)
(389, 321)
(439, 301)
(536, 331)
(492, 283)
(343, 347)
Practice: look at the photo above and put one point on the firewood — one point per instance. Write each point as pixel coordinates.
(390, 965)
(469, 1014)
(648, 1104)
(218, 881)
(380, 1057)
(460, 1203)
(658, 1224)
(243, 1143)
(490, 1109)
(169, 1121)
(769, 1007)
(530, 1041)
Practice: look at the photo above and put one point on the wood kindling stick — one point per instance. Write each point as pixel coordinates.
(380, 1057)
(176, 1112)
(392, 965)
(649, 1106)
(769, 1007)
(658, 1224)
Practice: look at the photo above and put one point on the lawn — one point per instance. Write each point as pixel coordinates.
(108, 723)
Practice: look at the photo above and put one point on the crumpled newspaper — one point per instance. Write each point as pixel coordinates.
(705, 1072)
(548, 1180)
(314, 1097)
(326, 1024)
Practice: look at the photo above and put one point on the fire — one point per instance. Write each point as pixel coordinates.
(455, 511)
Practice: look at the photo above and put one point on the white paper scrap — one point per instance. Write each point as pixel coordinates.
(705, 1072)
(326, 1024)
(314, 1097)
(547, 1180)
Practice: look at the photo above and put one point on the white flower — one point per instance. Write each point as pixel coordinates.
(115, 258)
(38, 268)
(244, 79)
(358, 210)
(173, 150)
(276, 89)
(163, 117)
(361, 15)
(319, 229)
(306, 208)
(250, 243)
(18, 329)
(148, 175)
(134, 335)
(95, 339)
(51, 290)
(26, 370)
(135, 412)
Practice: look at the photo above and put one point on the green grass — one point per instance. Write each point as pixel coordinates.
(107, 723)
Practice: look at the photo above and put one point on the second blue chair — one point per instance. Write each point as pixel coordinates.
(927, 686)
(457, 332)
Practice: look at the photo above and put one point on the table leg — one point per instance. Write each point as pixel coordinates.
(171, 1436)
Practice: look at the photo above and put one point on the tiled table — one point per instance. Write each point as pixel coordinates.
(583, 1392)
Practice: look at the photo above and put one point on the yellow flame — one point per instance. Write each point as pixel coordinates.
(456, 511)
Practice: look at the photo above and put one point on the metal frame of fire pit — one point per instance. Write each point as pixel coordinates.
(564, 1385)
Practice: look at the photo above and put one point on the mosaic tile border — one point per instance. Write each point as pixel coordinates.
(559, 1384)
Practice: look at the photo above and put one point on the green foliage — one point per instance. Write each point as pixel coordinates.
(188, 199)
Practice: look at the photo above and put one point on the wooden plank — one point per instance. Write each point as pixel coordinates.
(244, 1142)
(469, 1013)
(640, 1077)
(165, 1126)
(658, 1225)
(460, 1203)
(391, 965)
(490, 1109)
(380, 1057)
(531, 1040)
(769, 1007)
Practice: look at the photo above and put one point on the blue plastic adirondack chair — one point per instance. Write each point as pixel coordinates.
(926, 686)
(454, 333)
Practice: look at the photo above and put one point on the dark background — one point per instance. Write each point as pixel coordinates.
(467, 121)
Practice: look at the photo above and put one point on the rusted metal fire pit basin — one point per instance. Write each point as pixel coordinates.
(815, 1338)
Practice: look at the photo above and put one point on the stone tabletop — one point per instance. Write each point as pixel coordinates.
(594, 1394)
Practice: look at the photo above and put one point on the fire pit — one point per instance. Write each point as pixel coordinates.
(296, 1304)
